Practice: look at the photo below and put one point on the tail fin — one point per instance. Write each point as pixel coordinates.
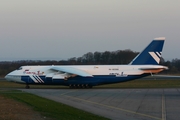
(151, 54)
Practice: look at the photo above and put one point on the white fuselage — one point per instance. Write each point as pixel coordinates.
(110, 74)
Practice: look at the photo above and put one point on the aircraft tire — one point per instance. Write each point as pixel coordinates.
(74, 86)
(70, 86)
(83, 86)
(90, 86)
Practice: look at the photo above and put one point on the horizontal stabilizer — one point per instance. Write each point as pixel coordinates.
(72, 70)
(164, 68)
(153, 69)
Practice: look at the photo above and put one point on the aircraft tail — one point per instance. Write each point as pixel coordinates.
(151, 55)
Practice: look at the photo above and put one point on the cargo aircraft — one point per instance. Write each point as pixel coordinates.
(85, 76)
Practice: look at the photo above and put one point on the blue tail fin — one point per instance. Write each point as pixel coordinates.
(151, 54)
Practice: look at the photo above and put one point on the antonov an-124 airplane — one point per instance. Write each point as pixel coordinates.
(85, 76)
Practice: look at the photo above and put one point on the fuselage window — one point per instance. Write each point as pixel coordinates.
(19, 68)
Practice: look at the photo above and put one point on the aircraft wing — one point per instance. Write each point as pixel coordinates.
(72, 70)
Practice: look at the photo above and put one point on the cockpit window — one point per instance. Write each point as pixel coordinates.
(19, 68)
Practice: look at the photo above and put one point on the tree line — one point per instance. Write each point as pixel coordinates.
(96, 58)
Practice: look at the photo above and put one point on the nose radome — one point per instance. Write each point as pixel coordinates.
(7, 77)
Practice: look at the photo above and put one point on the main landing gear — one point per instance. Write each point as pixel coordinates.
(74, 86)
(27, 86)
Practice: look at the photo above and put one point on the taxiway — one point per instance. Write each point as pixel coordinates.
(119, 104)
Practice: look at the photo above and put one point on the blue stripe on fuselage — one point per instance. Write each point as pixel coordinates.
(96, 80)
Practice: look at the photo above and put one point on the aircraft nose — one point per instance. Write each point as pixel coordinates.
(14, 76)
(8, 77)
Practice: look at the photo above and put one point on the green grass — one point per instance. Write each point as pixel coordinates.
(49, 108)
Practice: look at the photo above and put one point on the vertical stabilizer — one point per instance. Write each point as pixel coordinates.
(151, 55)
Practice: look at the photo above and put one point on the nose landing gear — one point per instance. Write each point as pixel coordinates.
(27, 86)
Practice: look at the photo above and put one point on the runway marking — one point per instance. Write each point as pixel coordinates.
(121, 109)
(163, 107)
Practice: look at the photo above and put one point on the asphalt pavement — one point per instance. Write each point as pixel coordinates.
(119, 104)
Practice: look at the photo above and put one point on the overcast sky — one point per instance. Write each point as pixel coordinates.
(61, 29)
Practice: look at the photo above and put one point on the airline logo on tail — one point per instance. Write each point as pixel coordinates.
(156, 56)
